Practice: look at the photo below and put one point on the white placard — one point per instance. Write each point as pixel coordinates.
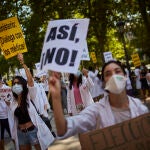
(63, 45)
(85, 53)
(41, 73)
(6, 94)
(108, 56)
(23, 73)
(37, 66)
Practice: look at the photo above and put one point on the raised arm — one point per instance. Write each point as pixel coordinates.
(89, 83)
(55, 91)
(27, 71)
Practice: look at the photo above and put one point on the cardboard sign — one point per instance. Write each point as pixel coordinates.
(6, 94)
(63, 45)
(107, 56)
(133, 134)
(11, 38)
(136, 60)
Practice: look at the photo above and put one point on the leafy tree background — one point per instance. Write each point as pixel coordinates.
(102, 35)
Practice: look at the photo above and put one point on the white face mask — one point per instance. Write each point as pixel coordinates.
(17, 88)
(116, 84)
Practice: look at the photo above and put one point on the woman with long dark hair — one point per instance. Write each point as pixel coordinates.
(78, 93)
(26, 126)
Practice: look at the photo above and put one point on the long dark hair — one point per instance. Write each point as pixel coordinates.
(24, 104)
(109, 62)
(71, 79)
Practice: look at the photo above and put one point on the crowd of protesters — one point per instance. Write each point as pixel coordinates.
(91, 98)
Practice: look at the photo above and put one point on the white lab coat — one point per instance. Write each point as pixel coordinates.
(99, 115)
(44, 135)
(93, 75)
(41, 100)
(98, 89)
(138, 82)
(85, 95)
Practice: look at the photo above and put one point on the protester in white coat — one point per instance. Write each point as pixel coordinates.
(42, 103)
(26, 126)
(5, 95)
(93, 75)
(78, 93)
(137, 80)
(115, 107)
(98, 89)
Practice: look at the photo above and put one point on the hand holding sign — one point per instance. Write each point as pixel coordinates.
(63, 45)
(20, 58)
(55, 84)
(85, 72)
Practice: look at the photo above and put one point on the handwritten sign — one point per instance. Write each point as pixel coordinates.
(11, 38)
(63, 45)
(133, 134)
(6, 94)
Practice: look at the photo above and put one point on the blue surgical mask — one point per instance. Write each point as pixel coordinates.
(17, 89)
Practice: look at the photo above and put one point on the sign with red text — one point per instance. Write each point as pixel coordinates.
(6, 94)
(11, 38)
(133, 134)
(64, 44)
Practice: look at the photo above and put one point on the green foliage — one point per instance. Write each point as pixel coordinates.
(102, 35)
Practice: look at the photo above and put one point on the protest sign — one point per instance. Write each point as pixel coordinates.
(22, 73)
(136, 60)
(39, 73)
(37, 66)
(85, 53)
(17, 72)
(93, 56)
(6, 94)
(11, 38)
(63, 45)
(133, 134)
(107, 56)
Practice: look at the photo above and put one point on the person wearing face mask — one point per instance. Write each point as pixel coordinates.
(78, 92)
(115, 107)
(26, 126)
